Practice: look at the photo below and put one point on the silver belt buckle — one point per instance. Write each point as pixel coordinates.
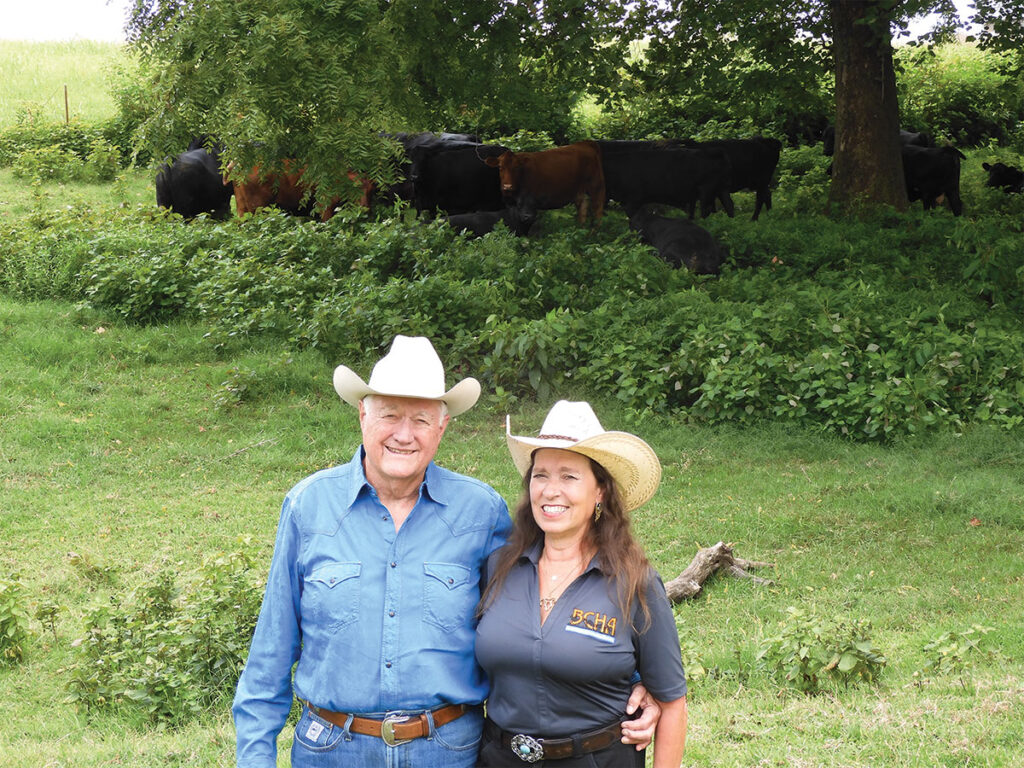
(527, 748)
(387, 730)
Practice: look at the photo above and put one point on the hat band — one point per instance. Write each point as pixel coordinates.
(558, 437)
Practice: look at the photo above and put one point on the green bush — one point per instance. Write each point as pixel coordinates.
(170, 651)
(953, 653)
(47, 164)
(874, 328)
(103, 162)
(810, 649)
(14, 630)
(959, 91)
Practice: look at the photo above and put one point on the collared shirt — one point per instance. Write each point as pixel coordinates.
(573, 673)
(376, 620)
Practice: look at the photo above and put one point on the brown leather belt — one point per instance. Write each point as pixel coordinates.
(393, 729)
(530, 749)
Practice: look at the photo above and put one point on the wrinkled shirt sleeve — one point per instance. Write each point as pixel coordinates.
(263, 698)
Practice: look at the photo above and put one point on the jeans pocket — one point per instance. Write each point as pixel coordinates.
(331, 594)
(449, 594)
(316, 734)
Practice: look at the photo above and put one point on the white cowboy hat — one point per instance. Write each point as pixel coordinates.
(410, 369)
(574, 427)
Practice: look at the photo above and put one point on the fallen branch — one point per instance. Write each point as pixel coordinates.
(705, 563)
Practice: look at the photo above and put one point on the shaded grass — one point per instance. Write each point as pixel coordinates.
(125, 452)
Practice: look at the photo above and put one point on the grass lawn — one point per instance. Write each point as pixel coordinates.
(35, 74)
(125, 451)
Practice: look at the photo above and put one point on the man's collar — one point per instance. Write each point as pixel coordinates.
(431, 487)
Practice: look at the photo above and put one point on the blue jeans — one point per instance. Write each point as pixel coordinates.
(320, 744)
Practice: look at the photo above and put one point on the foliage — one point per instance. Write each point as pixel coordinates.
(874, 329)
(14, 631)
(959, 92)
(353, 69)
(53, 164)
(171, 650)
(953, 653)
(810, 648)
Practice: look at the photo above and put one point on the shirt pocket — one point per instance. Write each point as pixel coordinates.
(332, 593)
(449, 595)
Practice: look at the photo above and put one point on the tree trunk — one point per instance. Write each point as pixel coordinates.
(867, 167)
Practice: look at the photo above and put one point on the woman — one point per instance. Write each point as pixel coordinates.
(573, 610)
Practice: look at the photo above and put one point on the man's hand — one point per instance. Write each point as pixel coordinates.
(641, 730)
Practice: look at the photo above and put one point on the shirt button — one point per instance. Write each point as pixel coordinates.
(391, 613)
(394, 565)
(450, 581)
(387, 664)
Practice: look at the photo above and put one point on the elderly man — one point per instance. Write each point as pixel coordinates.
(372, 591)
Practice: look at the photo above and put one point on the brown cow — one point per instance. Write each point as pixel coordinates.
(285, 190)
(552, 178)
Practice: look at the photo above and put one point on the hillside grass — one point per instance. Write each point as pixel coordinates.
(123, 454)
(34, 75)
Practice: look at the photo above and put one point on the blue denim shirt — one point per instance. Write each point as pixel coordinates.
(377, 620)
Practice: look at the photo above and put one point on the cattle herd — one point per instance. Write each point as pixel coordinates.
(475, 185)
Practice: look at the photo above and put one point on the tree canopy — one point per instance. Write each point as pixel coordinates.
(319, 80)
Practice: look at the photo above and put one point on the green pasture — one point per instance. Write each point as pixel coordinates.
(132, 451)
(34, 75)
(120, 458)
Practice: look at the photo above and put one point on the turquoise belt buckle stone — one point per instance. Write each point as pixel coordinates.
(527, 748)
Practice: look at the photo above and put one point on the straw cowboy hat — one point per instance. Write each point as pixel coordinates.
(574, 427)
(410, 369)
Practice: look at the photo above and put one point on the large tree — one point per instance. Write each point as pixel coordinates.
(317, 80)
(867, 164)
(694, 43)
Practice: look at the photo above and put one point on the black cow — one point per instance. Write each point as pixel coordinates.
(641, 172)
(752, 164)
(192, 183)
(916, 139)
(1006, 177)
(413, 144)
(679, 242)
(907, 139)
(932, 173)
(456, 178)
(479, 223)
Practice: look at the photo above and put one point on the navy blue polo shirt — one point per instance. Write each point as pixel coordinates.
(573, 673)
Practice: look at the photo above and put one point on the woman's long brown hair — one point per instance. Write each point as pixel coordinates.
(620, 555)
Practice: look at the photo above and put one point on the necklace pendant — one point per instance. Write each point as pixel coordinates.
(547, 603)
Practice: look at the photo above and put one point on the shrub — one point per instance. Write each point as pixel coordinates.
(47, 164)
(810, 648)
(103, 162)
(14, 630)
(953, 653)
(959, 91)
(170, 651)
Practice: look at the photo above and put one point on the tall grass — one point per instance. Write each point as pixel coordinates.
(34, 74)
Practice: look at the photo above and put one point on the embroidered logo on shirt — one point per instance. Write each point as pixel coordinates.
(599, 626)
